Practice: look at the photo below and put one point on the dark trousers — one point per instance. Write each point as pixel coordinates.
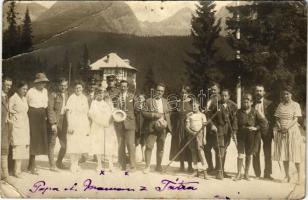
(267, 149)
(62, 135)
(126, 138)
(246, 142)
(159, 138)
(220, 148)
(210, 139)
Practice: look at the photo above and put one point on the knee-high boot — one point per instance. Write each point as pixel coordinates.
(247, 165)
(219, 161)
(208, 158)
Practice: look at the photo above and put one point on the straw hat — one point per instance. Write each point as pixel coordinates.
(40, 77)
(119, 115)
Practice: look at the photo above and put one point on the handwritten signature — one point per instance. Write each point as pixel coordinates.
(176, 185)
(88, 185)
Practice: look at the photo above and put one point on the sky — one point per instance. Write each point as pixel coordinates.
(153, 10)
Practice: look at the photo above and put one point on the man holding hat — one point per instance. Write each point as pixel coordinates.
(158, 124)
(126, 129)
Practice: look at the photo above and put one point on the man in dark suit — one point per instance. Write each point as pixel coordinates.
(157, 119)
(58, 123)
(112, 89)
(222, 126)
(266, 109)
(140, 134)
(91, 91)
(126, 130)
(5, 141)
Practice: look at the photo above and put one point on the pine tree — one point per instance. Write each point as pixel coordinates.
(26, 35)
(85, 57)
(273, 43)
(149, 82)
(205, 30)
(65, 69)
(10, 36)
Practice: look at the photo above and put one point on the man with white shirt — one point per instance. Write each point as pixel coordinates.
(126, 130)
(58, 123)
(266, 109)
(157, 119)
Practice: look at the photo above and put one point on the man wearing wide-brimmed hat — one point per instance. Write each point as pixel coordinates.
(37, 98)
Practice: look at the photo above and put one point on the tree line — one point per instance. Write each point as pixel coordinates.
(17, 38)
(270, 48)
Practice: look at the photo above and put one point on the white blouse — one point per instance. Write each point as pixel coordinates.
(37, 98)
(20, 130)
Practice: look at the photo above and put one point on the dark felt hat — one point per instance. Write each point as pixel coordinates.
(111, 78)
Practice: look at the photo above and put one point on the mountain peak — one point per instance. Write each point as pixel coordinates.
(94, 16)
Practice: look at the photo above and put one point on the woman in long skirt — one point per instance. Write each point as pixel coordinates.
(288, 140)
(103, 137)
(37, 98)
(180, 135)
(77, 108)
(20, 135)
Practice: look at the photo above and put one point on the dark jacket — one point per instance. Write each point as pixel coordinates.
(150, 114)
(243, 120)
(55, 102)
(139, 107)
(4, 125)
(269, 110)
(129, 122)
(113, 94)
(224, 116)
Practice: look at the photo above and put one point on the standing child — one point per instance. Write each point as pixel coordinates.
(247, 123)
(195, 124)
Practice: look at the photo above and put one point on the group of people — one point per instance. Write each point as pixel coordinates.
(85, 124)
(257, 121)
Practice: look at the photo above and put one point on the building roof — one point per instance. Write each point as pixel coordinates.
(112, 60)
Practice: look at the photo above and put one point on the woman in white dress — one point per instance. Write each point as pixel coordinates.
(288, 140)
(20, 135)
(77, 108)
(103, 137)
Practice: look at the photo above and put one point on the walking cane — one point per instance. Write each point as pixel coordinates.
(104, 149)
(189, 141)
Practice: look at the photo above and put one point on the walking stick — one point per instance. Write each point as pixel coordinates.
(104, 149)
(219, 152)
(189, 141)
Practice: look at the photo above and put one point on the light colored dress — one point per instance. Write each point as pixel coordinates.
(18, 108)
(77, 108)
(288, 147)
(103, 136)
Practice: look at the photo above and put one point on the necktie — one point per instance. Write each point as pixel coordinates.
(122, 102)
